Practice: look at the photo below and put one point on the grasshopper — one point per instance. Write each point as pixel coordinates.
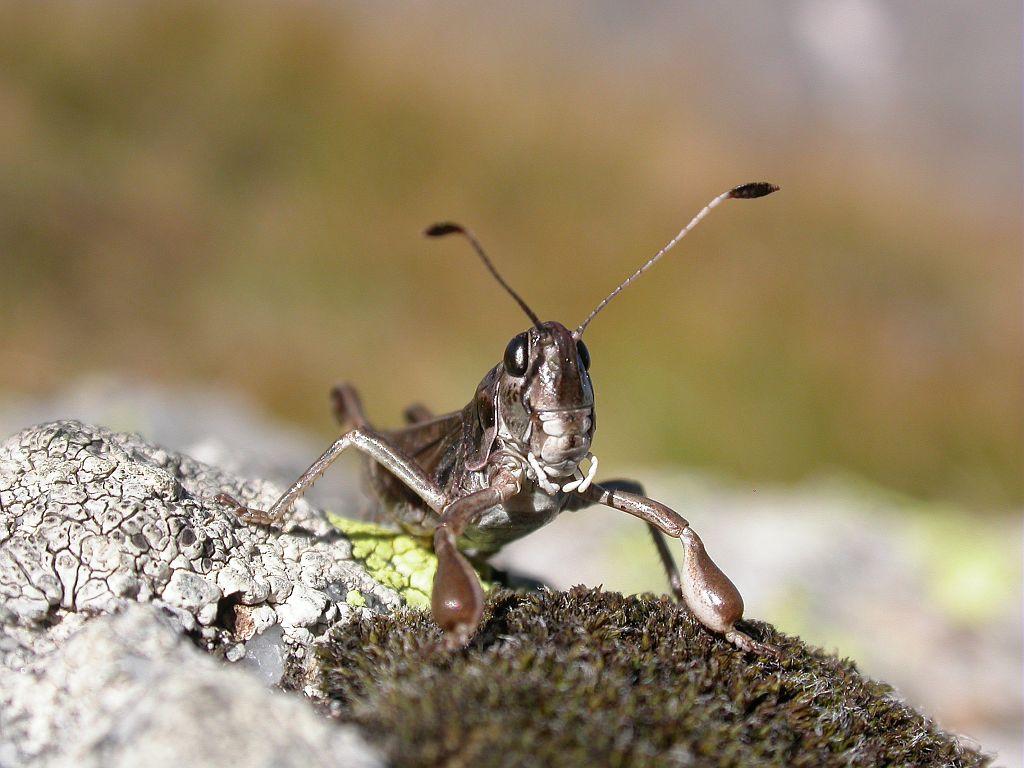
(510, 462)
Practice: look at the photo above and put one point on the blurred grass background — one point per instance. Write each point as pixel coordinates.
(233, 194)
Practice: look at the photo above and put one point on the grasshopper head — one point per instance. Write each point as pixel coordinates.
(545, 397)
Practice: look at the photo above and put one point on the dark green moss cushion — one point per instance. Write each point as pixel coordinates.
(591, 678)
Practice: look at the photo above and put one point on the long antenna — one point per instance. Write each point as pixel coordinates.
(742, 192)
(450, 228)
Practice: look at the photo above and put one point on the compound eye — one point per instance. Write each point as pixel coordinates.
(517, 355)
(584, 354)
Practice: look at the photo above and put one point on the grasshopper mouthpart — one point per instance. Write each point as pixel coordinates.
(581, 483)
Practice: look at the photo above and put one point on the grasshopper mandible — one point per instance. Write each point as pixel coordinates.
(510, 461)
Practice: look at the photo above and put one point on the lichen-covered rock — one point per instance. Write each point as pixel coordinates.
(399, 561)
(93, 523)
(91, 519)
(128, 690)
(585, 678)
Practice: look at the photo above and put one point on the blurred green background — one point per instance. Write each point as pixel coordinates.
(233, 194)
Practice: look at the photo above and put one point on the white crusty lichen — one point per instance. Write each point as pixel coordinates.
(91, 520)
(128, 690)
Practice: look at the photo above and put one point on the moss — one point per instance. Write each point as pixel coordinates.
(593, 678)
(396, 560)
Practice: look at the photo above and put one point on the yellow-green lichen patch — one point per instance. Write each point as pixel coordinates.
(355, 598)
(396, 560)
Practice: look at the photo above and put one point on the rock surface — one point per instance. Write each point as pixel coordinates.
(129, 690)
(92, 521)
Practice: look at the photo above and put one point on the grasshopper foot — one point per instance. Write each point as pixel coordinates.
(247, 514)
(745, 642)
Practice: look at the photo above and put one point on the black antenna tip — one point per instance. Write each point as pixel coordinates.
(442, 229)
(752, 190)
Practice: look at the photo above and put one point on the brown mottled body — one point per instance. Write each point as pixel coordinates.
(509, 463)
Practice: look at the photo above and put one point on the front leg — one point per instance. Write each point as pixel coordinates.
(457, 599)
(364, 440)
(577, 502)
(707, 591)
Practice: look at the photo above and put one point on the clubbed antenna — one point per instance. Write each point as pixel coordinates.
(742, 192)
(450, 228)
